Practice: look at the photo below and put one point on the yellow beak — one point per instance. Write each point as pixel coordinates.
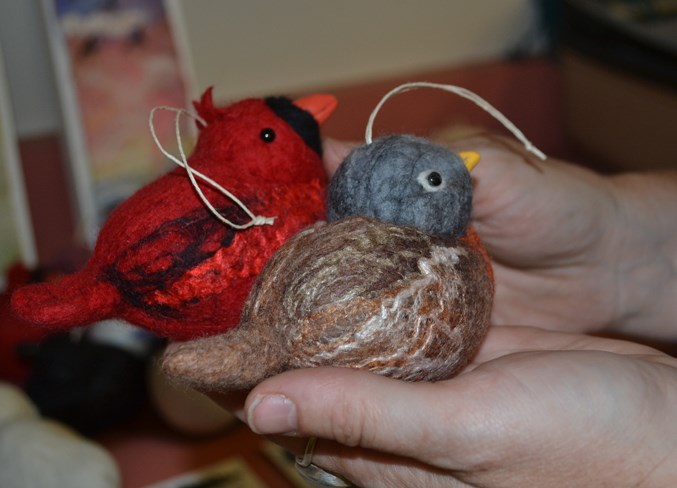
(470, 158)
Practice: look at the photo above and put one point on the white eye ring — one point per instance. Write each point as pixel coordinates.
(431, 180)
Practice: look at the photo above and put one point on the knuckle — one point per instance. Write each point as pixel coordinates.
(347, 420)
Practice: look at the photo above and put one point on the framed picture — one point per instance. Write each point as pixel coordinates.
(16, 231)
(114, 61)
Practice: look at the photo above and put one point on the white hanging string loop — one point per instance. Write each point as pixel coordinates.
(463, 92)
(193, 173)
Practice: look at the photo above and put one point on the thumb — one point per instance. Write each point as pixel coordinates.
(361, 409)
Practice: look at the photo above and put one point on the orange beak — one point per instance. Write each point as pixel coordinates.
(320, 106)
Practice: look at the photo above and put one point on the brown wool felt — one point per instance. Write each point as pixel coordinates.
(355, 293)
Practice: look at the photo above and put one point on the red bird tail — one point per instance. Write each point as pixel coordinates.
(74, 300)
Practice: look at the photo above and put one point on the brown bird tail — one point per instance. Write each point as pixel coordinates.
(238, 359)
(72, 301)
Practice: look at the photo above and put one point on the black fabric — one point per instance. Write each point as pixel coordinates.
(86, 385)
(301, 121)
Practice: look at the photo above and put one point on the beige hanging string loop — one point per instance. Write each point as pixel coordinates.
(192, 173)
(463, 92)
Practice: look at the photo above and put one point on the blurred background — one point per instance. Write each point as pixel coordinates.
(592, 81)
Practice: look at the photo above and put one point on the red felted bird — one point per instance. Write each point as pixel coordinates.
(163, 261)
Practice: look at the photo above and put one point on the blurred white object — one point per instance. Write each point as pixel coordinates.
(14, 405)
(39, 453)
(186, 410)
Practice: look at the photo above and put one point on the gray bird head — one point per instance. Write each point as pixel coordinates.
(404, 180)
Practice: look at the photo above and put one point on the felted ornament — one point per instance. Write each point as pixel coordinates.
(397, 283)
(394, 283)
(180, 256)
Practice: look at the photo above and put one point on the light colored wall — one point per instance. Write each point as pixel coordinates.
(265, 46)
(270, 46)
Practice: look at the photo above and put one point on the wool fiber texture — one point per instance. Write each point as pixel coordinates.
(163, 262)
(356, 293)
(383, 180)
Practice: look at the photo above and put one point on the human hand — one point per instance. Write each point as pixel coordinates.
(555, 233)
(535, 408)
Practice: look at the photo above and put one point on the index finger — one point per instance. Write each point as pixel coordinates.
(334, 152)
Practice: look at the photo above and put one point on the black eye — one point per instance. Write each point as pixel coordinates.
(434, 179)
(267, 135)
(430, 180)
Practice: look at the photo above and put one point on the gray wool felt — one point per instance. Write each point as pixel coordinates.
(386, 180)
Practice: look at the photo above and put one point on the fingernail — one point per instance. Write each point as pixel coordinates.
(272, 414)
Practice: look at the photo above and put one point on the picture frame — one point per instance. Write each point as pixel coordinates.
(17, 241)
(112, 66)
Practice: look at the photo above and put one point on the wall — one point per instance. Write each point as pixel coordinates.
(262, 47)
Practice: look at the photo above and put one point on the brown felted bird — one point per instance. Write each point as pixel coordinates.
(397, 283)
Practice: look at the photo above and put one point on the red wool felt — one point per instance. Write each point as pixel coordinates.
(164, 262)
